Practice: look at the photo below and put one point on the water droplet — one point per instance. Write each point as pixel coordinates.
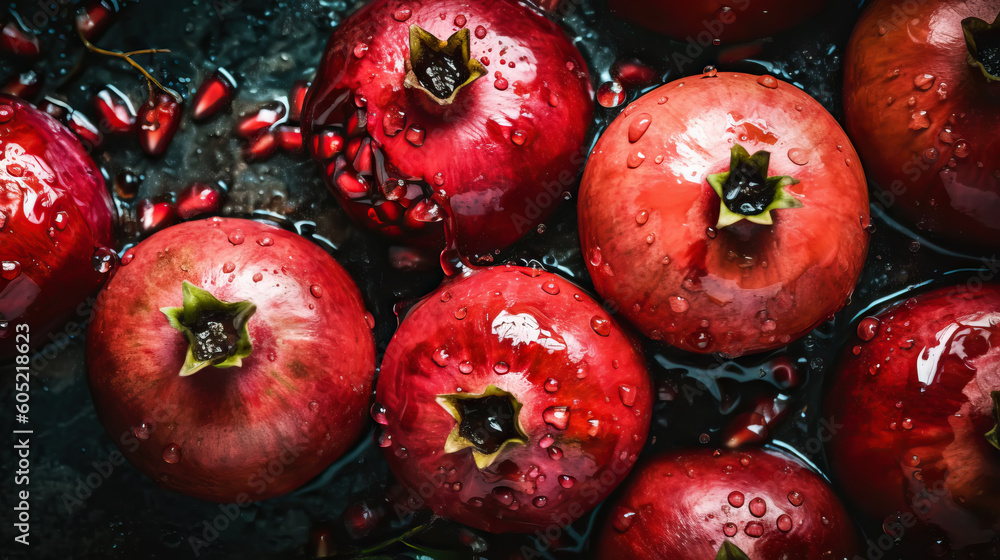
(704, 439)
(480, 32)
(539, 501)
(627, 394)
(369, 320)
(556, 416)
(798, 156)
(258, 277)
(640, 124)
(10, 270)
(384, 439)
(228, 267)
(610, 94)
(501, 368)
(172, 453)
(923, 81)
(736, 499)
(402, 14)
(518, 137)
(678, 304)
(961, 149)
(500, 84)
(623, 519)
(360, 50)
(758, 507)
(445, 297)
(784, 523)
(868, 328)
(710, 232)
(635, 159)
(237, 237)
(503, 495)
(595, 257)
(555, 453)
(460, 20)
(6, 113)
(141, 431)
(768, 81)
(907, 423)
(919, 120)
(461, 313)
(729, 529)
(795, 498)
(551, 288)
(709, 72)
(768, 326)
(465, 367)
(594, 427)
(754, 529)
(440, 357)
(546, 441)
(551, 385)
(601, 325)
(103, 260)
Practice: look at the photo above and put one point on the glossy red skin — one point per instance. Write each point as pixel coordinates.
(681, 505)
(159, 117)
(702, 21)
(872, 452)
(42, 295)
(231, 423)
(410, 380)
(946, 195)
(813, 254)
(498, 190)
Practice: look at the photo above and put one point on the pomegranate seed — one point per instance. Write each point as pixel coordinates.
(154, 216)
(215, 93)
(56, 110)
(289, 138)
(327, 144)
(95, 18)
(16, 41)
(633, 72)
(297, 99)
(116, 111)
(159, 118)
(199, 198)
(260, 146)
(85, 130)
(25, 85)
(265, 117)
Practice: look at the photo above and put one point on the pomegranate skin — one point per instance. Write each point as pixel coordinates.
(584, 392)
(912, 397)
(55, 213)
(497, 160)
(684, 505)
(245, 433)
(924, 120)
(648, 216)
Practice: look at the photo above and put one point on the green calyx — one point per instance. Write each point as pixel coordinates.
(747, 193)
(216, 330)
(441, 68)
(993, 436)
(729, 551)
(983, 41)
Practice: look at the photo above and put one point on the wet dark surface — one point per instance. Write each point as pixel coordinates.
(86, 502)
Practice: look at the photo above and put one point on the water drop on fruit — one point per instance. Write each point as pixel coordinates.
(546, 441)
(172, 453)
(551, 288)
(556, 416)
(623, 519)
(678, 304)
(316, 290)
(635, 159)
(551, 385)
(868, 328)
(923, 81)
(500, 84)
(961, 149)
(440, 357)
(710, 232)
(795, 498)
(627, 394)
(758, 507)
(465, 367)
(384, 439)
(6, 113)
(638, 127)
(539, 501)
(784, 523)
(402, 14)
(103, 260)
(642, 217)
(501, 367)
(709, 72)
(237, 237)
(601, 325)
(10, 270)
(754, 529)
(480, 32)
(360, 49)
(258, 277)
(767, 81)
(518, 137)
(461, 313)
(141, 431)
(729, 529)
(798, 156)
(415, 135)
(736, 499)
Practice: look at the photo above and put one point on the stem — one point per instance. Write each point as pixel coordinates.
(411, 533)
(127, 57)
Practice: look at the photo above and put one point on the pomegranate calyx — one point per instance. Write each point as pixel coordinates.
(983, 41)
(747, 192)
(993, 436)
(439, 68)
(488, 423)
(216, 330)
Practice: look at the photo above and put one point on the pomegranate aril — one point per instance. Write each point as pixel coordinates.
(95, 18)
(159, 118)
(351, 184)
(327, 144)
(261, 146)
(422, 212)
(363, 158)
(264, 118)
(296, 99)
(289, 138)
(17, 41)
(214, 94)
(154, 216)
(85, 130)
(116, 111)
(633, 72)
(199, 198)
(25, 85)
(389, 212)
